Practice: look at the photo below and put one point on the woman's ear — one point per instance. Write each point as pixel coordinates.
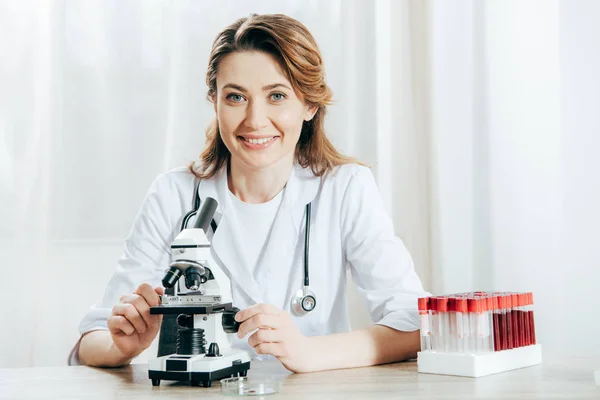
(310, 112)
(214, 101)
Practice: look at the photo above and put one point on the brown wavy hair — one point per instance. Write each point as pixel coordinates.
(298, 54)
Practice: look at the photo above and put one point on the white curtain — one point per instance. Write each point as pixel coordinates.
(479, 117)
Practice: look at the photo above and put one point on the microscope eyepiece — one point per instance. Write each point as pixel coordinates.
(171, 277)
(206, 213)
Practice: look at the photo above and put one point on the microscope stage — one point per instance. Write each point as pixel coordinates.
(190, 309)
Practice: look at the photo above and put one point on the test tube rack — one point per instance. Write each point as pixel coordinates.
(477, 334)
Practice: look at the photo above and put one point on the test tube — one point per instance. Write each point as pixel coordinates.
(452, 344)
(442, 306)
(509, 327)
(473, 333)
(462, 325)
(521, 319)
(523, 331)
(503, 330)
(515, 319)
(526, 324)
(434, 324)
(483, 324)
(424, 317)
(490, 322)
(496, 322)
(530, 318)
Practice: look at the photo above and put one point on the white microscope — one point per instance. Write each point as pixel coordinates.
(205, 319)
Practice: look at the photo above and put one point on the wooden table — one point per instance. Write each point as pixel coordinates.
(557, 378)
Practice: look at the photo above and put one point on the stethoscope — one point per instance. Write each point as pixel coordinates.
(304, 300)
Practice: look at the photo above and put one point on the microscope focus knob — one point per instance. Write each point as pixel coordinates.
(213, 350)
(230, 325)
(185, 321)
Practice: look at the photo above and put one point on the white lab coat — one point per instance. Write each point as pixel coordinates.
(349, 230)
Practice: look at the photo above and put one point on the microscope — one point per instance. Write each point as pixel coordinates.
(205, 315)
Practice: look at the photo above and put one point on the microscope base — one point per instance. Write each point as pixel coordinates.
(198, 370)
(203, 379)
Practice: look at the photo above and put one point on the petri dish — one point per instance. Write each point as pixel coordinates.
(243, 386)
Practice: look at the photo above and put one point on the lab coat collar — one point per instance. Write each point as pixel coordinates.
(301, 188)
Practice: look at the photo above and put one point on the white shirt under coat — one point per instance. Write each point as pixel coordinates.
(350, 230)
(256, 221)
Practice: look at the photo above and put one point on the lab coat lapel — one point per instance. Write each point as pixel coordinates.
(227, 244)
(282, 258)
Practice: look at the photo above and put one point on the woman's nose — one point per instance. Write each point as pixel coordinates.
(256, 115)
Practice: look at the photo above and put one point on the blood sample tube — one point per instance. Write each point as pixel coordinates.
(462, 325)
(484, 324)
(424, 317)
(442, 306)
(515, 320)
(509, 327)
(526, 324)
(496, 317)
(474, 306)
(530, 318)
(452, 334)
(503, 330)
(435, 325)
(521, 319)
(489, 306)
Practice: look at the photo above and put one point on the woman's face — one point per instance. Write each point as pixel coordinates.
(260, 116)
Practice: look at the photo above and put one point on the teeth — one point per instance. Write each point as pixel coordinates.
(259, 141)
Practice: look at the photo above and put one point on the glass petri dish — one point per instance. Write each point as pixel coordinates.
(242, 386)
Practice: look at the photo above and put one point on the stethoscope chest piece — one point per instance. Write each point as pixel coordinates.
(303, 302)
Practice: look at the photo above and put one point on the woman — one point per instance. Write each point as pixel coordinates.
(266, 158)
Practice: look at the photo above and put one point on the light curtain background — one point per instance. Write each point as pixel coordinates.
(480, 118)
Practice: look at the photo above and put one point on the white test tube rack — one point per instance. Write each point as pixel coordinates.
(476, 365)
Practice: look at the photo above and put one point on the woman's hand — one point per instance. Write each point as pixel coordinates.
(131, 326)
(277, 335)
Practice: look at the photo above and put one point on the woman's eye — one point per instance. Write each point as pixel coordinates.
(236, 98)
(277, 96)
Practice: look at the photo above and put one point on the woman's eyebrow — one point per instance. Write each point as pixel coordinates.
(276, 85)
(235, 87)
(268, 87)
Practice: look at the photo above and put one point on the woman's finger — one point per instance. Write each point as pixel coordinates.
(259, 321)
(274, 349)
(129, 311)
(149, 294)
(142, 307)
(119, 324)
(264, 336)
(256, 309)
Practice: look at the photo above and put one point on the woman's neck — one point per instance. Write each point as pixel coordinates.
(257, 186)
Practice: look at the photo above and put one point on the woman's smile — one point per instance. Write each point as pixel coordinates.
(257, 143)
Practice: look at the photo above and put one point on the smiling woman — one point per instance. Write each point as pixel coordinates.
(281, 189)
